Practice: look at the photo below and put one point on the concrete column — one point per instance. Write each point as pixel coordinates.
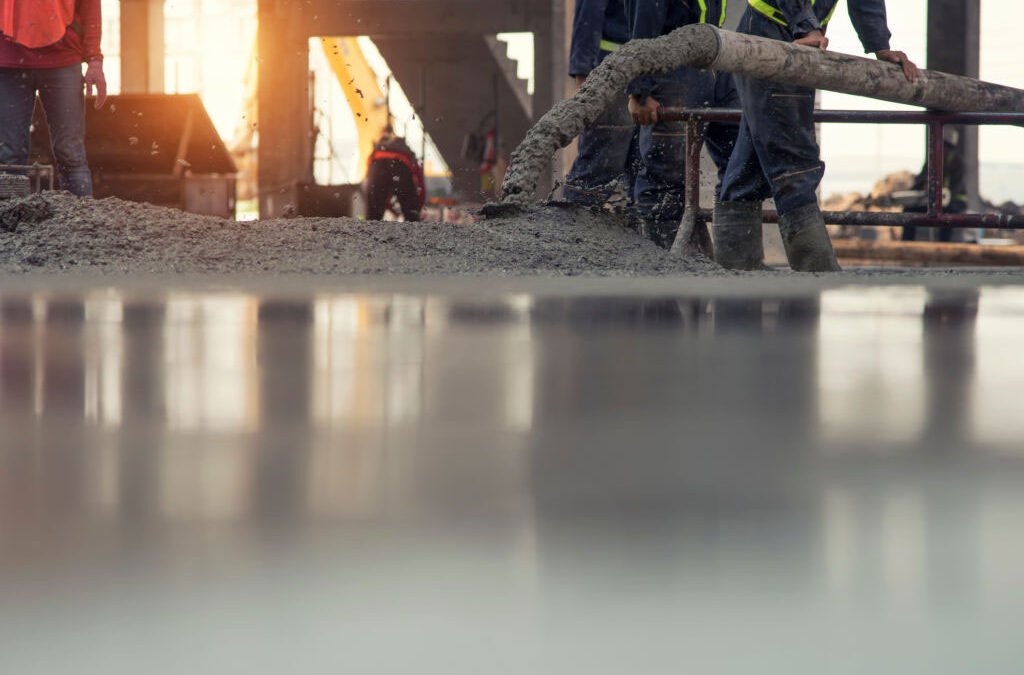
(285, 125)
(551, 67)
(954, 28)
(142, 46)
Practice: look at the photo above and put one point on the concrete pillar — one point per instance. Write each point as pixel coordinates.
(954, 28)
(284, 117)
(551, 67)
(142, 46)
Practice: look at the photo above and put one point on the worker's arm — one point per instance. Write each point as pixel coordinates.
(872, 26)
(90, 16)
(800, 17)
(647, 19)
(587, 29)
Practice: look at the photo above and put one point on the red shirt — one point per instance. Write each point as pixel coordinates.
(80, 43)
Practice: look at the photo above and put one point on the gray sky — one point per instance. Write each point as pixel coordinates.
(884, 149)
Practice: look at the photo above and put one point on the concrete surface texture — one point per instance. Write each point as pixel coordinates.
(56, 232)
(499, 480)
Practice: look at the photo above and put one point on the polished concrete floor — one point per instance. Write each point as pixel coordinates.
(224, 482)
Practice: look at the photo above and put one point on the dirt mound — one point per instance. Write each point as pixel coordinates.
(54, 232)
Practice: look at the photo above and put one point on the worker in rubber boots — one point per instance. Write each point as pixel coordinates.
(43, 45)
(606, 149)
(660, 190)
(394, 175)
(777, 153)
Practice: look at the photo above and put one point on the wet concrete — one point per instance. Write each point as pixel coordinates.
(803, 481)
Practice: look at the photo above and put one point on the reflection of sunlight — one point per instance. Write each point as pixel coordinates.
(904, 540)
(104, 358)
(995, 405)
(39, 313)
(337, 326)
(865, 534)
(519, 368)
(871, 365)
(211, 482)
(842, 548)
(1001, 549)
(210, 362)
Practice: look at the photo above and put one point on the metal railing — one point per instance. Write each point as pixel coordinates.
(935, 123)
(37, 173)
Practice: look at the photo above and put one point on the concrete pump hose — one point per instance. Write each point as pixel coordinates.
(704, 46)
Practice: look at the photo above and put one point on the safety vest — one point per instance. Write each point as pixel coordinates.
(778, 17)
(609, 46)
(36, 24)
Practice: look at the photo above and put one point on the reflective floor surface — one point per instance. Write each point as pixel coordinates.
(405, 483)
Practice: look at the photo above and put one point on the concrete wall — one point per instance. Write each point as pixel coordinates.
(437, 49)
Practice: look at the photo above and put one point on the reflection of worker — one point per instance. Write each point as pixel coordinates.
(777, 153)
(600, 28)
(395, 174)
(954, 183)
(42, 48)
(660, 191)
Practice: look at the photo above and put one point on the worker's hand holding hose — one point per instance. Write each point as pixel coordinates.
(580, 79)
(815, 38)
(900, 59)
(95, 79)
(644, 110)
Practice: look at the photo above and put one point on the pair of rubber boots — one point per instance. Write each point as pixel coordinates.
(739, 244)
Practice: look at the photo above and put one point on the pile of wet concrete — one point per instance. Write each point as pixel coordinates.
(53, 232)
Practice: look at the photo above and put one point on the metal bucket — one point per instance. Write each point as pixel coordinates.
(13, 185)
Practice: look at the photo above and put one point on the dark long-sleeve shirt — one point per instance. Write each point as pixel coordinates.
(80, 43)
(654, 18)
(868, 18)
(594, 21)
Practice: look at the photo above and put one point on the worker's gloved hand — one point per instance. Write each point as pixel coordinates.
(580, 79)
(95, 79)
(645, 112)
(815, 38)
(900, 59)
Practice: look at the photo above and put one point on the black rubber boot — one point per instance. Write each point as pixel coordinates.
(737, 232)
(808, 246)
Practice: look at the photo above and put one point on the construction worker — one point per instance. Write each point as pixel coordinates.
(394, 173)
(43, 45)
(777, 153)
(605, 150)
(660, 191)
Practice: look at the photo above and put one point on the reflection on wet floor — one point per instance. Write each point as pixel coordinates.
(410, 481)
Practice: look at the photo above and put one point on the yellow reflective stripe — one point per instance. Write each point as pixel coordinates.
(830, 13)
(768, 11)
(721, 19)
(780, 18)
(703, 10)
(609, 46)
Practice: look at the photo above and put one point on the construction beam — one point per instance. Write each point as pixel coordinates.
(954, 28)
(142, 46)
(395, 17)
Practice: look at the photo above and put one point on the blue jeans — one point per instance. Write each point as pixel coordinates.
(777, 152)
(660, 188)
(63, 97)
(607, 153)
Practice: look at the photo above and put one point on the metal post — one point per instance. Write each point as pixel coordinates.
(935, 169)
(693, 233)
